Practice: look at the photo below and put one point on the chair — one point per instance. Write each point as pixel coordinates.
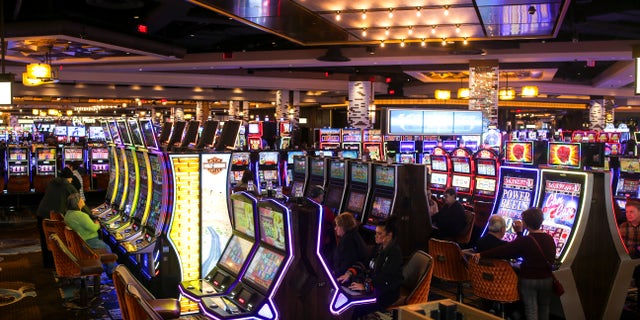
(80, 247)
(494, 280)
(465, 236)
(122, 280)
(417, 274)
(54, 215)
(449, 263)
(137, 307)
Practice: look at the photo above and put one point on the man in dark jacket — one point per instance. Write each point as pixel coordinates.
(450, 221)
(54, 199)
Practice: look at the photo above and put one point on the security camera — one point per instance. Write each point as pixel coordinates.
(532, 10)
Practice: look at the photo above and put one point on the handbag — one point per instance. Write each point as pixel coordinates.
(556, 285)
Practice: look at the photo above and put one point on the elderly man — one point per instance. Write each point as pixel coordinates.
(495, 232)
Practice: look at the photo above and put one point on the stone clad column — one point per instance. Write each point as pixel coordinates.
(235, 110)
(282, 104)
(483, 90)
(178, 113)
(360, 106)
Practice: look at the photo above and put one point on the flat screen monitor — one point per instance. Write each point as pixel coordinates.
(270, 175)
(385, 176)
(254, 128)
(564, 154)
(96, 133)
(155, 210)
(323, 153)
(77, 131)
(355, 203)
(407, 146)
(228, 135)
(149, 133)
(240, 158)
(60, 131)
(105, 129)
(191, 133)
(438, 180)
(629, 164)
(627, 186)
(297, 188)
(359, 172)
(99, 153)
(46, 153)
(125, 135)
(177, 132)
(439, 163)
(407, 158)
(518, 152)
(136, 133)
(486, 167)
(449, 145)
(336, 170)
(235, 254)
(72, 154)
(461, 183)
(381, 207)
(272, 226)
(208, 134)
(333, 197)
(165, 132)
(300, 165)
(593, 154)
(485, 186)
(317, 167)
(242, 211)
(350, 154)
(264, 268)
(517, 193)
(428, 146)
(292, 154)
(461, 165)
(268, 158)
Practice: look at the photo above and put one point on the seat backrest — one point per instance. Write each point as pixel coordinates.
(494, 279)
(120, 284)
(417, 274)
(49, 227)
(123, 272)
(137, 307)
(465, 236)
(54, 215)
(448, 262)
(78, 246)
(67, 265)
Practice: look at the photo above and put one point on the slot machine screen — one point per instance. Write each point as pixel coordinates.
(461, 165)
(356, 202)
(385, 176)
(236, 176)
(77, 131)
(428, 146)
(191, 133)
(149, 133)
(336, 170)
(407, 158)
(593, 154)
(519, 152)
(46, 154)
(297, 188)
(105, 130)
(350, 154)
(438, 180)
(155, 210)
(323, 153)
(300, 165)
(264, 268)
(99, 153)
(486, 167)
(517, 194)
(72, 154)
(438, 163)
(268, 158)
(449, 145)
(60, 131)
(96, 133)
(381, 207)
(292, 154)
(124, 132)
(407, 146)
(240, 158)
(334, 197)
(564, 154)
(317, 167)
(272, 228)
(136, 133)
(627, 186)
(359, 173)
(254, 128)
(243, 215)
(235, 254)
(629, 164)
(270, 174)
(485, 186)
(621, 203)
(461, 183)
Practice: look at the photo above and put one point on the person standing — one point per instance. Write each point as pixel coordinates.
(54, 199)
(77, 179)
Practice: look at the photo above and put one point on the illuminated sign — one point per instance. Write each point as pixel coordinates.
(433, 122)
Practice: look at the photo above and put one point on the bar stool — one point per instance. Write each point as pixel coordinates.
(495, 280)
(449, 263)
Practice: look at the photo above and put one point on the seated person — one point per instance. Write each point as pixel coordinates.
(351, 248)
(450, 221)
(86, 228)
(383, 277)
(495, 232)
(630, 233)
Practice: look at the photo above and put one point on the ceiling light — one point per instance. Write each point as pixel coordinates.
(457, 28)
(446, 10)
(338, 17)
(390, 13)
(364, 32)
(443, 94)
(423, 42)
(463, 93)
(418, 11)
(530, 91)
(402, 43)
(386, 31)
(506, 94)
(444, 41)
(364, 14)
(35, 112)
(465, 42)
(433, 29)
(410, 30)
(381, 43)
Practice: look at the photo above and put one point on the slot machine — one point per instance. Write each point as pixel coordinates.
(233, 262)
(440, 179)
(628, 182)
(299, 176)
(352, 140)
(255, 296)
(206, 139)
(254, 135)
(267, 171)
(372, 144)
(336, 184)
(424, 157)
(406, 152)
(462, 178)
(317, 175)
(400, 191)
(329, 138)
(73, 155)
(358, 188)
(99, 167)
(287, 166)
(284, 131)
(112, 183)
(240, 161)
(487, 164)
(18, 169)
(46, 165)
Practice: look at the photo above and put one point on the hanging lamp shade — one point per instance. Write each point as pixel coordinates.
(443, 94)
(464, 93)
(530, 91)
(507, 94)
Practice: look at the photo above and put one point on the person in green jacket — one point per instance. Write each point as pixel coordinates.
(87, 228)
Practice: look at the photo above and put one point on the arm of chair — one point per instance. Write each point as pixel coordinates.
(85, 266)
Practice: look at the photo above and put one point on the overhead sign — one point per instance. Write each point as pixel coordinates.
(433, 122)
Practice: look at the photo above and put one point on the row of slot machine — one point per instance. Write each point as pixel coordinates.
(573, 189)
(353, 143)
(30, 168)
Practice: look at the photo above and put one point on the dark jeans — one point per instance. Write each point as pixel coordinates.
(536, 297)
(47, 256)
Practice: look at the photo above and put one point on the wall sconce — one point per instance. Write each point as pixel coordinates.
(464, 93)
(443, 94)
(530, 91)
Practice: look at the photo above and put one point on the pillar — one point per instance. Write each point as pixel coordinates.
(178, 113)
(235, 110)
(483, 90)
(361, 110)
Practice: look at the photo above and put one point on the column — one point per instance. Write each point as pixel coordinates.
(178, 113)
(598, 115)
(361, 110)
(202, 111)
(235, 110)
(282, 104)
(483, 90)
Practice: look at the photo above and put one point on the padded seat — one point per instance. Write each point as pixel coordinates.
(495, 280)
(465, 236)
(417, 274)
(129, 291)
(449, 263)
(80, 247)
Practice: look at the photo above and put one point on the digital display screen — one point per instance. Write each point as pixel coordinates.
(235, 254)
(72, 154)
(149, 133)
(561, 206)
(268, 158)
(517, 195)
(333, 198)
(439, 180)
(264, 268)
(143, 192)
(292, 154)
(359, 173)
(381, 207)
(76, 131)
(121, 175)
(133, 180)
(297, 188)
(519, 152)
(336, 170)
(270, 174)
(385, 176)
(243, 216)
(49, 154)
(428, 146)
(99, 153)
(272, 228)
(300, 165)
(407, 158)
(254, 128)
(240, 158)
(356, 202)
(485, 186)
(60, 131)
(461, 165)
(439, 163)
(629, 164)
(96, 133)
(449, 145)
(115, 133)
(124, 132)
(317, 167)
(105, 129)
(136, 133)
(407, 146)
(627, 186)
(564, 154)
(486, 167)
(350, 154)
(155, 210)
(461, 183)
(17, 154)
